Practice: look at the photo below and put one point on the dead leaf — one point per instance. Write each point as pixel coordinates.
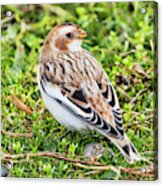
(140, 71)
(134, 79)
(12, 134)
(122, 80)
(18, 103)
(124, 93)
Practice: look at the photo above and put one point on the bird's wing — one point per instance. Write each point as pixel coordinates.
(109, 94)
(76, 102)
(94, 101)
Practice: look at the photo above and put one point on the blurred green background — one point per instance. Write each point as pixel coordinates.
(121, 37)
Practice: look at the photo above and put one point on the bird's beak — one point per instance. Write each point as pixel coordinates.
(82, 34)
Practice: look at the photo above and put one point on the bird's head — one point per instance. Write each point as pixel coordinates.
(66, 37)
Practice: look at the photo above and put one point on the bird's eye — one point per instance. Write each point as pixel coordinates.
(69, 35)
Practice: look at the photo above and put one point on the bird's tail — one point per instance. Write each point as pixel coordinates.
(127, 149)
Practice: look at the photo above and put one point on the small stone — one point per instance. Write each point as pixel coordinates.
(143, 170)
(8, 13)
(111, 153)
(142, 10)
(4, 172)
(9, 166)
(94, 150)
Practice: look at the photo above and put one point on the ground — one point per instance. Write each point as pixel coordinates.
(122, 38)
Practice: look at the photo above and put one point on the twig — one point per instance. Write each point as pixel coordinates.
(124, 94)
(123, 54)
(150, 117)
(102, 168)
(150, 111)
(138, 69)
(135, 114)
(136, 171)
(92, 172)
(56, 10)
(18, 103)
(148, 152)
(124, 67)
(12, 134)
(6, 19)
(138, 125)
(80, 163)
(145, 128)
(46, 154)
(137, 95)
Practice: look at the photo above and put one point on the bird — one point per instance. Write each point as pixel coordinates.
(77, 91)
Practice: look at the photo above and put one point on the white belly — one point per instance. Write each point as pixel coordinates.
(63, 115)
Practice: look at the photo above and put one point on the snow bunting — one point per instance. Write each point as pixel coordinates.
(77, 91)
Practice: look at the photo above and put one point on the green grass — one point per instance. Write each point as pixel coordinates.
(119, 36)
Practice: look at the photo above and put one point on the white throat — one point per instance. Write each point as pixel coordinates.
(75, 45)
